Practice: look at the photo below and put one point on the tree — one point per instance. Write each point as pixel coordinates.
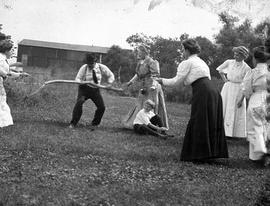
(208, 53)
(2, 35)
(262, 30)
(168, 53)
(137, 39)
(231, 35)
(121, 61)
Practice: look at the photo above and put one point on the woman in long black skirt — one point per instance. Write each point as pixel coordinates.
(205, 136)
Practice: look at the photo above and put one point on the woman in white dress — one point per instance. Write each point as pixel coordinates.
(254, 87)
(5, 53)
(235, 70)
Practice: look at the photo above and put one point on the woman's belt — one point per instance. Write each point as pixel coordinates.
(234, 82)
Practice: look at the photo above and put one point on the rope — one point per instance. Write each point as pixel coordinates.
(76, 82)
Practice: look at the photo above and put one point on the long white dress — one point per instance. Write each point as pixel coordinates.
(234, 117)
(5, 115)
(255, 87)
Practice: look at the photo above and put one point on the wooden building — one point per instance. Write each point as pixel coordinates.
(44, 54)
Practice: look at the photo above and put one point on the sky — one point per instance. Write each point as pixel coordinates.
(105, 22)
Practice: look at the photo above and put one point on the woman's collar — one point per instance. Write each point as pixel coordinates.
(193, 55)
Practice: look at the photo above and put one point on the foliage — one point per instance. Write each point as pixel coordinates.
(232, 35)
(139, 38)
(121, 61)
(263, 29)
(208, 53)
(2, 35)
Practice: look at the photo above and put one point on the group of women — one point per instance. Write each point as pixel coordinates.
(241, 83)
(214, 115)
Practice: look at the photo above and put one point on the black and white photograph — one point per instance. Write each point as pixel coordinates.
(134, 102)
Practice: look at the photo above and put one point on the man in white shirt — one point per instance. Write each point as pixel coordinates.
(147, 122)
(93, 72)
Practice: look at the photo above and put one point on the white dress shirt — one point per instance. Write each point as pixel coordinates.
(85, 74)
(189, 71)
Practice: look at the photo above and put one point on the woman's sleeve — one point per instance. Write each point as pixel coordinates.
(2, 71)
(182, 72)
(154, 67)
(246, 85)
(223, 68)
(13, 75)
(9, 74)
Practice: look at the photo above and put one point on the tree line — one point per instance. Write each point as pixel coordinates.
(168, 51)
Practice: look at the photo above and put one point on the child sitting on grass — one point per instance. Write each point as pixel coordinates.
(147, 122)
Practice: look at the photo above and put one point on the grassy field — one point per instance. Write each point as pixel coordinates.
(43, 162)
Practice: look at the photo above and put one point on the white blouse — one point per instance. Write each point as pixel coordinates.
(235, 71)
(189, 71)
(4, 68)
(255, 80)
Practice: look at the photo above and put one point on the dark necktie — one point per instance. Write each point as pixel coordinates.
(94, 76)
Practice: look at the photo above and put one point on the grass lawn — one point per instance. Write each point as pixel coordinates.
(42, 162)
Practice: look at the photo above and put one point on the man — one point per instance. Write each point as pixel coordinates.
(93, 72)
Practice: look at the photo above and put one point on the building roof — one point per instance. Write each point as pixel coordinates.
(55, 45)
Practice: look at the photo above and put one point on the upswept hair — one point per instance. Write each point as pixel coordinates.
(5, 45)
(144, 49)
(192, 46)
(260, 54)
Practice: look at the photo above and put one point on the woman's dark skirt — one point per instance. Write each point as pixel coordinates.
(205, 135)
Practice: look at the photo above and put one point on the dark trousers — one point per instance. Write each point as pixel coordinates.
(144, 129)
(84, 93)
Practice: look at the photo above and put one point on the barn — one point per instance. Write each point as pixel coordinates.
(59, 57)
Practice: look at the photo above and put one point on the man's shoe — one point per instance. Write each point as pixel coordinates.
(93, 127)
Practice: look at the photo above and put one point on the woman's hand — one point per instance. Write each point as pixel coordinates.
(159, 80)
(126, 85)
(24, 74)
(239, 103)
(223, 77)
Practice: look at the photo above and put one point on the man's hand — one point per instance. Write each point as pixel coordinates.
(163, 129)
(109, 86)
